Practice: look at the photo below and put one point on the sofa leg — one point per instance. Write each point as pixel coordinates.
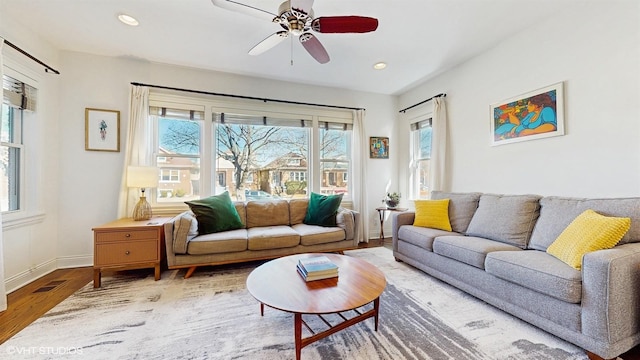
(593, 356)
(398, 260)
(341, 252)
(190, 272)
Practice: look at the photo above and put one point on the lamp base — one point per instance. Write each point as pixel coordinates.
(142, 211)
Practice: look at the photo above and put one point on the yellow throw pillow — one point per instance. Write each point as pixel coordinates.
(588, 232)
(432, 214)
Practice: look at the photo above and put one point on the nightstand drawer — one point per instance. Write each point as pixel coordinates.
(130, 235)
(126, 253)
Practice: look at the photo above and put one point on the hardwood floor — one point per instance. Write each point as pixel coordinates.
(28, 303)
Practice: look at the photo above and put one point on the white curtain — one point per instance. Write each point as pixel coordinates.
(437, 176)
(359, 152)
(139, 139)
(3, 290)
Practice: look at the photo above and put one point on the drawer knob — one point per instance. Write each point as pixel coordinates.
(127, 252)
(128, 235)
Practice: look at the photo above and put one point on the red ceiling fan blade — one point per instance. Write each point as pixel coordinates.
(344, 24)
(314, 47)
(271, 41)
(244, 9)
(304, 5)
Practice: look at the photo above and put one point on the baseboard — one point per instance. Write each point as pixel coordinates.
(21, 279)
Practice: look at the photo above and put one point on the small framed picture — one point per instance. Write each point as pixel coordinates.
(378, 147)
(535, 115)
(102, 130)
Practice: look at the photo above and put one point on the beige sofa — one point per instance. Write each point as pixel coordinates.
(271, 229)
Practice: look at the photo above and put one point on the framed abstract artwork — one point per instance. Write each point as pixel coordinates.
(101, 130)
(535, 115)
(378, 147)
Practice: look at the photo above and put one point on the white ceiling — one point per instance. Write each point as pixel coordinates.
(417, 38)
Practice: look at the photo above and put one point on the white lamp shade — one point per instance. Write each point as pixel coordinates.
(142, 176)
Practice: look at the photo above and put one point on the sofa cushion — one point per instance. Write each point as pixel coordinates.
(420, 236)
(468, 249)
(215, 213)
(218, 243)
(589, 232)
(314, 234)
(272, 237)
(506, 218)
(267, 213)
(432, 214)
(556, 213)
(185, 228)
(297, 210)
(322, 209)
(462, 206)
(537, 270)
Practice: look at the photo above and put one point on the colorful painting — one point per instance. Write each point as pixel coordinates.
(102, 130)
(534, 115)
(379, 147)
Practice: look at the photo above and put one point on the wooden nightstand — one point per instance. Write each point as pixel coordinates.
(126, 244)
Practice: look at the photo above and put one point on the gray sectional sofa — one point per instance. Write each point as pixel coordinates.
(496, 252)
(270, 229)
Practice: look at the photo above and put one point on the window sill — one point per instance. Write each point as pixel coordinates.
(18, 220)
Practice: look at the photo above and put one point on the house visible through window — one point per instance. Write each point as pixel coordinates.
(420, 159)
(178, 153)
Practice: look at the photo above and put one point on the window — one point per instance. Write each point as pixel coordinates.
(18, 103)
(335, 147)
(205, 147)
(178, 153)
(420, 159)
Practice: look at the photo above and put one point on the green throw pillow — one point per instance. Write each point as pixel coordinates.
(322, 209)
(215, 213)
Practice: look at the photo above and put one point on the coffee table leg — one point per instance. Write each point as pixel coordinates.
(376, 306)
(297, 329)
(261, 309)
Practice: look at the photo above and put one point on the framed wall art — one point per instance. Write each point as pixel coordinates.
(535, 115)
(102, 130)
(378, 147)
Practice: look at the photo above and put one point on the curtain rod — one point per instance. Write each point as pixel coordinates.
(246, 97)
(47, 67)
(422, 102)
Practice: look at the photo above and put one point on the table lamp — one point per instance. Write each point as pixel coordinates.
(142, 177)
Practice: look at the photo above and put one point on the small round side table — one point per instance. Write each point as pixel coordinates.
(381, 213)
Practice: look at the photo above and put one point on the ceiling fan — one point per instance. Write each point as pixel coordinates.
(297, 19)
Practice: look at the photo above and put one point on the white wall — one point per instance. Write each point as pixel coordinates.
(103, 82)
(595, 51)
(30, 240)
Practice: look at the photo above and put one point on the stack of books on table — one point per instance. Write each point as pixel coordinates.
(317, 268)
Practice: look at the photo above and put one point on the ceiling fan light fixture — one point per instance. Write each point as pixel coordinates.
(128, 20)
(380, 65)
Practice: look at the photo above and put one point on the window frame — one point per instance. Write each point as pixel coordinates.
(212, 105)
(414, 156)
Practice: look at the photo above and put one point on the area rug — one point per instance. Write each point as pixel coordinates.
(212, 316)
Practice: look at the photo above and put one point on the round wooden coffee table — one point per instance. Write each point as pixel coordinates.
(277, 284)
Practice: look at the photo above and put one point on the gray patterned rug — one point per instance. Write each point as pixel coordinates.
(212, 316)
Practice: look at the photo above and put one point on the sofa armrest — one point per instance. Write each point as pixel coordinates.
(168, 241)
(611, 293)
(398, 219)
(348, 220)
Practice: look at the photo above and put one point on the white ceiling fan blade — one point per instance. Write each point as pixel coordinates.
(304, 5)
(314, 48)
(269, 42)
(244, 9)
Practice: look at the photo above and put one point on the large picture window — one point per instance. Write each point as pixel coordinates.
(253, 154)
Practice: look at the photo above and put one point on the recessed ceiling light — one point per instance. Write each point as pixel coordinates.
(379, 66)
(127, 19)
